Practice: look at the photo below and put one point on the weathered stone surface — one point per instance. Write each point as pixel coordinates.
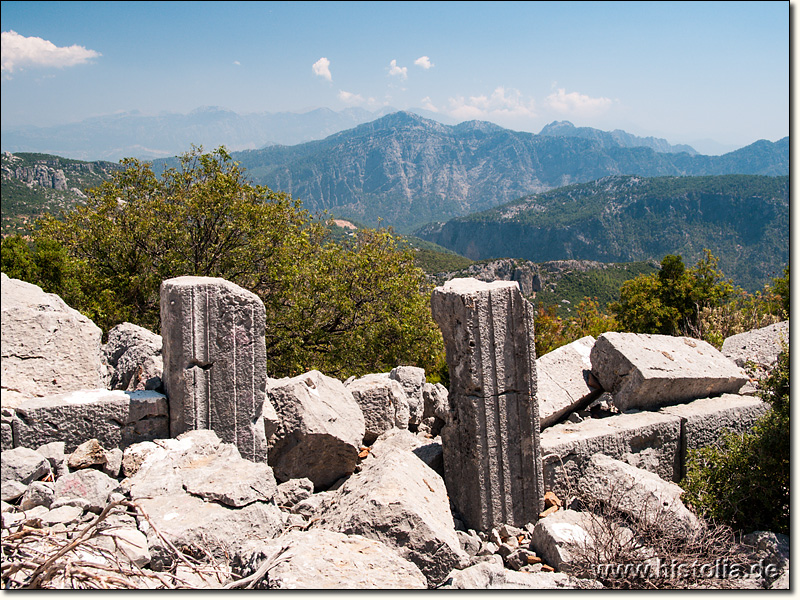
(114, 418)
(649, 371)
(563, 381)
(129, 545)
(10, 490)
(771, 549)
(134, 353)
(89, 484)
(7, 428)
(648, 440)
(39, 493)
(320, 431)
(23, 465)
(215, 360)
(436, 401)
(401, 502)
(189, 521)
(63, 514)
(759, 346)
(113, 462)
(491, 443)
(88, 454)
(55, 455)
(321, 559)
(47, 347)
(491, 576)
(383, 403)
(412, 379)
(289, 493)
(641, 495)
(704, 420)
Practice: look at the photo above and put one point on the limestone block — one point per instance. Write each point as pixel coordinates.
(641, 495)
(114, 418)
(47, 347)
(89, 484)
(704, 420)
(412, 379)
(215, 360)
(130, 350)
(491, 442)
(320, 431)
(649, 371)
(291, 492)
(383, 402)
(23, 465)
(321, 559)
(401, 502)
(759, 346)
(563, 381)
(647, 440)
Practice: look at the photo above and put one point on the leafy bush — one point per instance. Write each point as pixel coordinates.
(745, 480)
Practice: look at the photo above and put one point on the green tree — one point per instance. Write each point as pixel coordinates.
(345, 309)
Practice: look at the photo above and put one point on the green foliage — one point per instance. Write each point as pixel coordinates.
(344, 308)
(744, 481)
(552, 331)
(780, 286)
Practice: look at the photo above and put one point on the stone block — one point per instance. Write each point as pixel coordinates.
(648, 371)
(648, 440)
(214, 353)
(47, 346)
(382, 401)
(130, 351)
(491, 443)
(759, 346)
(412, 380)
(563, 381)
(115, 418)
(320, 430)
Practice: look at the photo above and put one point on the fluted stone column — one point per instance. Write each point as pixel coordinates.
(492, 461)
(214, 353)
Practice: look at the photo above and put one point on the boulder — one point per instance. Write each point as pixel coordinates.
(383, 403)
(89, 484)
(639, 494)
(128, 544)
(23, 465)
(7, 416)
(291, 492)
(322, 559)
(320, 431)
(489, 575)
(114, 418)
(88, 454)
(427, 450)
(39, 493)
(564, 381)
(47, 347)
(401, 502)
(648, 440)
(412, 380)
(649, 371)
(55, 455)
(759, 346)
(134, 353)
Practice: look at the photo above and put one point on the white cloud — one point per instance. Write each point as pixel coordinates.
(322, 68)
(402, 72)
(576, 103)
(237, 63)
(428, 105)
(19, 51)
(349, 98)
(502, 103)
(424, 62)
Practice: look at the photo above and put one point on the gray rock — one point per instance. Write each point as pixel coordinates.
(471, 544)
(649, 371)
(229, 479)
(647, 440)
(39, 493)
(321, 559)
(564, 538)
(215, 360)
(134, 455)
(90, 484)
(88, 454)
(412, 379)
(428, 451)
(312, 505)
(772, 550)
(383, 403)
(639, 494)
(113, 462)
(23, 465)
(127, 543)
(436, 401)
(47, 347)
(563, 381)
(759, 346)
(81, 503)
(401, 502)
(491, 443)
(11, 490)
(289, 493)
(63, 514)
(128, 348)
(320, 432)
(115, 418)
(55, 455)
(7, 416)
(491, 576)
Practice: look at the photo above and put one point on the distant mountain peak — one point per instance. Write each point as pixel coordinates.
(557, 128)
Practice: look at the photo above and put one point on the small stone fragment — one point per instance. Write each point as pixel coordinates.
(89, 454)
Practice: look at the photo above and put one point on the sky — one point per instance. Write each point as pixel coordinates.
(685, 71)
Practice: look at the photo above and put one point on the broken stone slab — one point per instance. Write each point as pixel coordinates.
(320, 431)
(383, 403)
(192, 523)
(130, 351)
(39, 493)
(704, 420)
(491, 442)
(412, 380)
(647, 440)
(563, 381)
(487, 575)
(127, 543)
(10, 490)
(89, 484)
(115, 418)
(55, 455)
(401, 502)
(758, 346)
(47, 346)
(649, 371)
(639, 494)
(427, 450)
(322, 559)
(215, 365)
(289, 493)
(23, 465)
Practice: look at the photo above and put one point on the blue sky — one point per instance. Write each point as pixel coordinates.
(686, 71)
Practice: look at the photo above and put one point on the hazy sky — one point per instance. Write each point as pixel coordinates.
(686, 71)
